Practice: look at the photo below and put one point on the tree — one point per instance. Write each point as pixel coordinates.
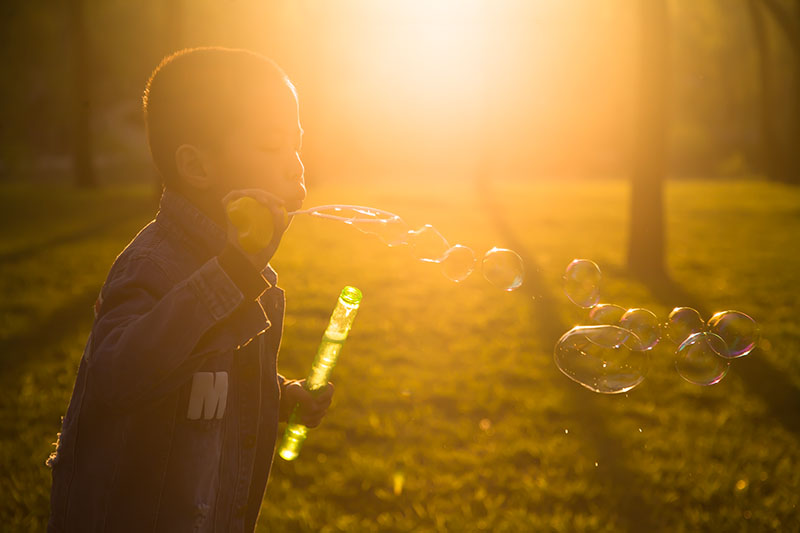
(646, 236)
(782, 158)
(82, 134)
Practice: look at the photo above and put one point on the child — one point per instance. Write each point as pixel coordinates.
(174, 415)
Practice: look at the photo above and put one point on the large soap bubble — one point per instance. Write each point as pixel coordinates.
(458, 263)
(582, 282)
(388, 227)
(427, 244)
(503, 268)
(682, 323)
(606, 336)
(595, 357)
(645, 328)
(698, 361)
(394, 232)
(738, 331)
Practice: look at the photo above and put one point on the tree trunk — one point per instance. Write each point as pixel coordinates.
(82, 166)
(646, 236)
(795, 141)
(770, 153)
(786, 166)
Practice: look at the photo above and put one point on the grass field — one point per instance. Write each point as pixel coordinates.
(449, 414)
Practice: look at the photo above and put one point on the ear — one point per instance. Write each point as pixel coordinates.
(193, 166)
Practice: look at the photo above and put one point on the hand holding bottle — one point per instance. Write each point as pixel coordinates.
(311, 406)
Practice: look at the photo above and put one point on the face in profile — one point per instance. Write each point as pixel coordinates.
(262, 150)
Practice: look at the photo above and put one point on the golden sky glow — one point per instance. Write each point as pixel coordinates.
(443, 87)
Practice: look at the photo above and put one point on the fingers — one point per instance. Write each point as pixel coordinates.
(325, 395)
(276, 206)
(275, 203)
(312, 405)
(280, 222)
(262, 196)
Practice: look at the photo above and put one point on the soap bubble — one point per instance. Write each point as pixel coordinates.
(427, 244)
(503, 268)
(682, 323)
(644, 326)
(582, 282)
(458, 263)
(580, 356)
(698, 361)
(392, 232)
(606, 314)
(738, 331)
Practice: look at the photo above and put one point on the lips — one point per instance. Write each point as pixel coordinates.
(295, 201)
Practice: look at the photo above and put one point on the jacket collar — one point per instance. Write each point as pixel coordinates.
(177, 211)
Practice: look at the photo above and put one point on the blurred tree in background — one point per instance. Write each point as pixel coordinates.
(82, 164)
(646, 226)
(384, 93)
(780, 124)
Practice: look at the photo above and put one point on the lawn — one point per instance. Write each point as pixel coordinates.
(449, 414)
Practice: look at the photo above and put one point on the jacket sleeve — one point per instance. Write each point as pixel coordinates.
(150, 335)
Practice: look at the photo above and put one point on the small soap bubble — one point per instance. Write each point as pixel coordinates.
(582, 282)
(738, 331)
(606, 314)
(607, 370)
(645, 328)
(458, 263)
(503, 268)
(427, 244)
(682, 323)
(697, 360)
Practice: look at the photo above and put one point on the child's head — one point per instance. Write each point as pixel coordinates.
(220, 119)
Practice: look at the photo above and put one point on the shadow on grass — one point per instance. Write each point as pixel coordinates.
(760, 377)
(623, 485)
(70, 237)
(24, 349)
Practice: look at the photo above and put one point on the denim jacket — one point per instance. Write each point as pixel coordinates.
(174, 414)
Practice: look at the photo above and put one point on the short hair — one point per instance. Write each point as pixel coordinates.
(195, 95)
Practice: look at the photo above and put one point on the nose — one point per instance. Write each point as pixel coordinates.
(297, 170)
(296, 176)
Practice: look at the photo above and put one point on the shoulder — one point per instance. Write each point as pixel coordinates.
(150, 259)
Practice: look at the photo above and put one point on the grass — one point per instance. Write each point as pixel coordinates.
(449, 414)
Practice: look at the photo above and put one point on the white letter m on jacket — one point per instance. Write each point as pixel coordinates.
(209, 395)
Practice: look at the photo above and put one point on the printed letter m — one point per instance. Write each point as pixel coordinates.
(209, 395)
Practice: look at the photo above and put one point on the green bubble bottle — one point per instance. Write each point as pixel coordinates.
(332, 341)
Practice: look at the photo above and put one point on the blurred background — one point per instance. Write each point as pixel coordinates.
(531, 88)
(660, 138)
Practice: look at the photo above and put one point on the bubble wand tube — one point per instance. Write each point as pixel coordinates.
(332, 341)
